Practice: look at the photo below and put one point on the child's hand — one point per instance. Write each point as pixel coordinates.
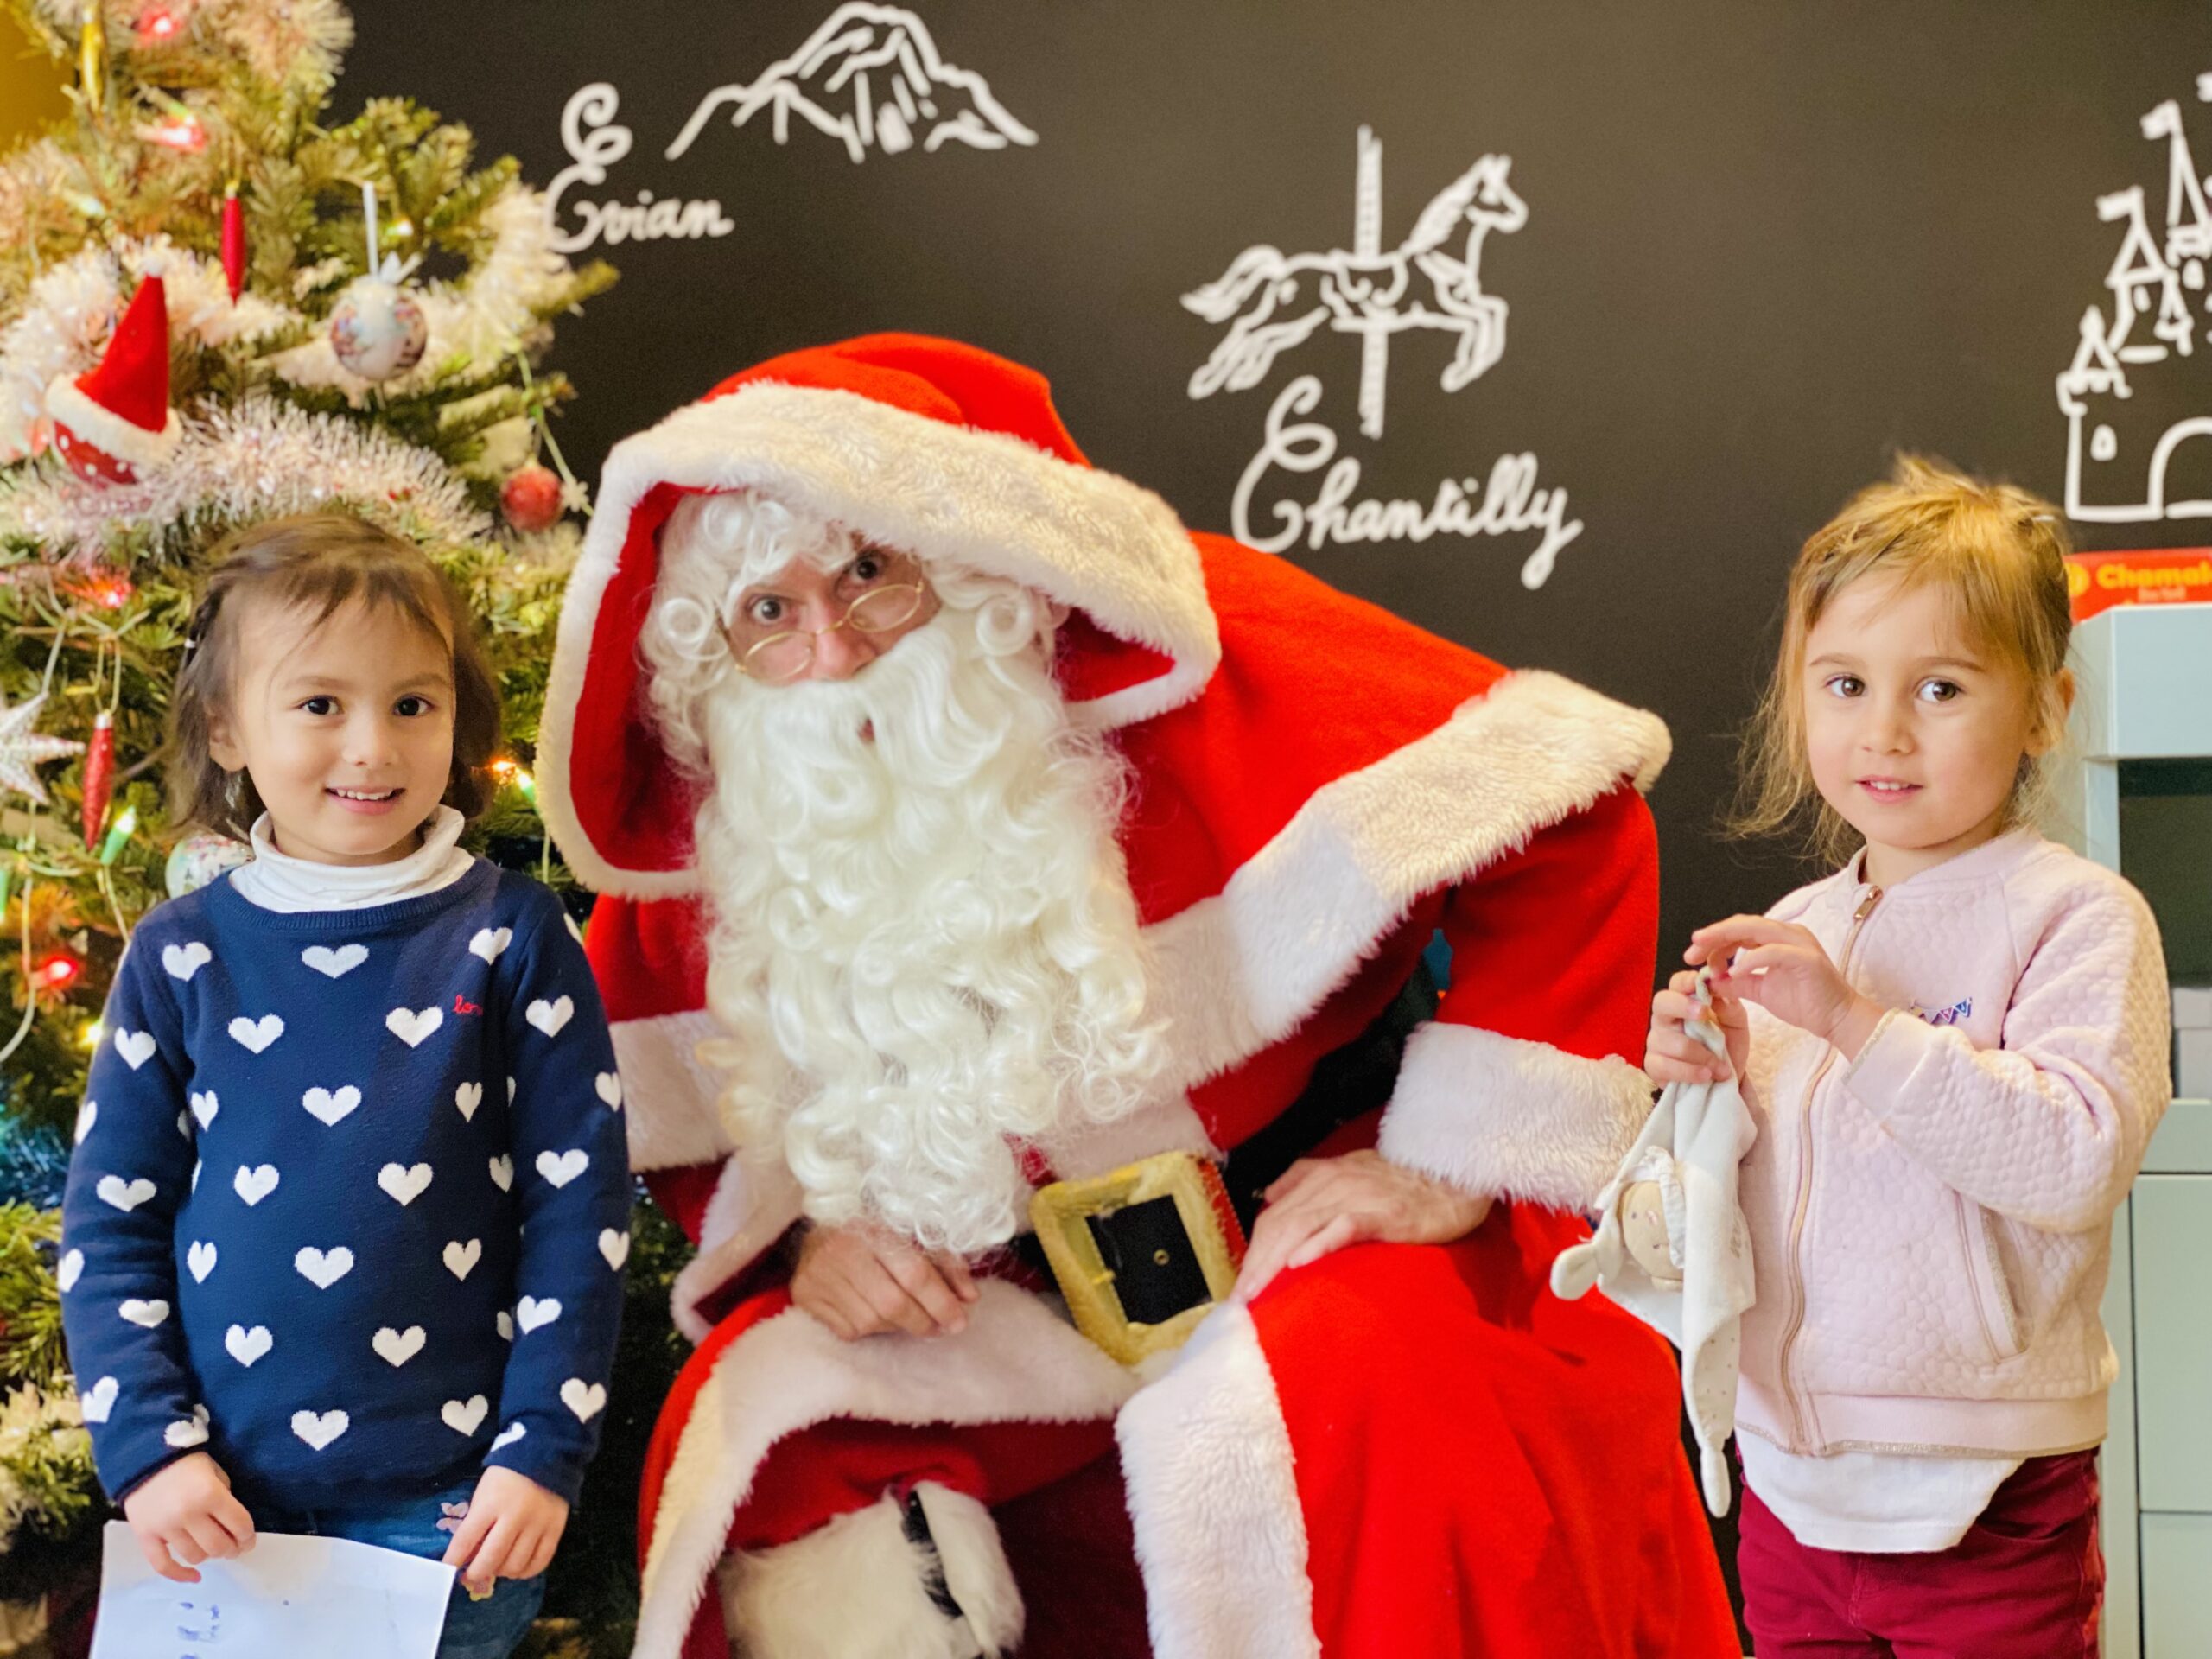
(186, 1514)
(513, 1527)
(1672, 1055)
(1782, 967)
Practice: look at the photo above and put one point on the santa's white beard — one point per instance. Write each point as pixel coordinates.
(924, 944)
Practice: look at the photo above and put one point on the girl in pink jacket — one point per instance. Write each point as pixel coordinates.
(1954, 1049)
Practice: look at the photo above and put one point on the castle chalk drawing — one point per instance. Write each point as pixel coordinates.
(1273, 301)
(2117, 470)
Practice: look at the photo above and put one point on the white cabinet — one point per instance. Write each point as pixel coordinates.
(2146, 696)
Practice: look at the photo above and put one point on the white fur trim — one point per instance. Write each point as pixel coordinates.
(1157, 1126)
(68, 405)
(1219, 1532)
(1015, 1361)
(985, 501)
(1241, 971)
(670, 1097)
(857, 1588)
(752, 1206)
(1497, 1115)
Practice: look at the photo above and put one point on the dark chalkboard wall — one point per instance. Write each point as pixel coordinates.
(1763, 246)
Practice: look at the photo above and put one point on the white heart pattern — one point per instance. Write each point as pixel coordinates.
(87, 1114)
(125, 1196)
(503, 1171)
(411, 1026)
(100, 1402)
(461, 1259)
(468, 1097)
(586, 1402)
(329, 1107)
(255, 1035)
(489, 942)
(246, 1346)
(609, 1084)
(71, 1269)
(195, 1174)
(204, 1108)
(614, 1246)
(510, 1091)
(533, 1312)
(562, 1167)
(550, 1017)
(184, 1124)
(137, 1048)
(148, 1315)
(397, 1347)
(504, 1325)
(508, 1436)
(201, 1259)
(465, 1416)
(255, 1184)
(334, 963)
(318, 1432)
(403, 1182)
(187, 1431)
(323, 1269)
(183, 961)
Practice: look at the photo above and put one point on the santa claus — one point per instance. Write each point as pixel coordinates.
(967, 824)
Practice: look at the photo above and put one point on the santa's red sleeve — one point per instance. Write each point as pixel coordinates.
(1522, 1086)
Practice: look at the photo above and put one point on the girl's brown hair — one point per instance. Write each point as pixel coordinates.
(1999, 550)
(321, 563)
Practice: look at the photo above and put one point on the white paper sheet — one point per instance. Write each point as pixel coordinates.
(287, 1596)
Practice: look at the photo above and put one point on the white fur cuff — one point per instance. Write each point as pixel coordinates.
(1500, 1116)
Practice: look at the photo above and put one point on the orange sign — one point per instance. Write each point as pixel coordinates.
(2174, 576)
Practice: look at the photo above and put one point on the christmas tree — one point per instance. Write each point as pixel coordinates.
(215, 309)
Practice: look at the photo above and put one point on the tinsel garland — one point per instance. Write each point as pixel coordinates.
(256, 459)
(280, 40)
(34, 1163)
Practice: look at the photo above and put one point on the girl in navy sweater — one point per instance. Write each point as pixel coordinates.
(343, 1243)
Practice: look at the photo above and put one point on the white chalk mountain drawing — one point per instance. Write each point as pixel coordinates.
(871, 77)
(1273, 301)
(2155, 283)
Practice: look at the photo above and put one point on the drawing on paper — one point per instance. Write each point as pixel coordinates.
(1273, 301)
(871, 77)
(2118, 471)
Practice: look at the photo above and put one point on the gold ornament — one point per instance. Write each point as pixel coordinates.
(92, 56)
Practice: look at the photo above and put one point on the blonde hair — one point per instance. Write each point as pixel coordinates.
(1999, 550)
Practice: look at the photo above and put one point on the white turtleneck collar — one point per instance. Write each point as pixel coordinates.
(276, 881)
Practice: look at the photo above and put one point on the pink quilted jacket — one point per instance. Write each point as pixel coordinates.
(1931, 1222)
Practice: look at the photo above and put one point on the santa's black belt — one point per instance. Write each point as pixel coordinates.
(1141, 1252)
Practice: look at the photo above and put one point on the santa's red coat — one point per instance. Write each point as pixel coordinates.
(1396, 1451)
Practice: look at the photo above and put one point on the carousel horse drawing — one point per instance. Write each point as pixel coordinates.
(1273, 301)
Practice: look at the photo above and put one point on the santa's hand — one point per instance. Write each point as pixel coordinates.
(1324, 1203)
(862, 1283)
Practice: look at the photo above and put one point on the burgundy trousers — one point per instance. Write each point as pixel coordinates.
(2026, 1582)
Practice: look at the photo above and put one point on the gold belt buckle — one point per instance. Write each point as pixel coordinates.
(1142, 1252)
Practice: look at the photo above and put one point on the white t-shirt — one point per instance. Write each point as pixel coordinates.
(276, 881)
(1876, 1503)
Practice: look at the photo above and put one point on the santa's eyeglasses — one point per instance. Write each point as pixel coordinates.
(786, 655)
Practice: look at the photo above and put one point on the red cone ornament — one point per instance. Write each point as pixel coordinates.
(99, 776)
(233, 242)
(116, 419)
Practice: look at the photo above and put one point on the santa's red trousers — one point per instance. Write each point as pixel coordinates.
(1485, 1470)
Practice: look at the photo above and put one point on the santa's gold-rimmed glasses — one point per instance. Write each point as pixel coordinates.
(785, 655)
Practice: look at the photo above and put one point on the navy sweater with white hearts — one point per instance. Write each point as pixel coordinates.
(350, 1201)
